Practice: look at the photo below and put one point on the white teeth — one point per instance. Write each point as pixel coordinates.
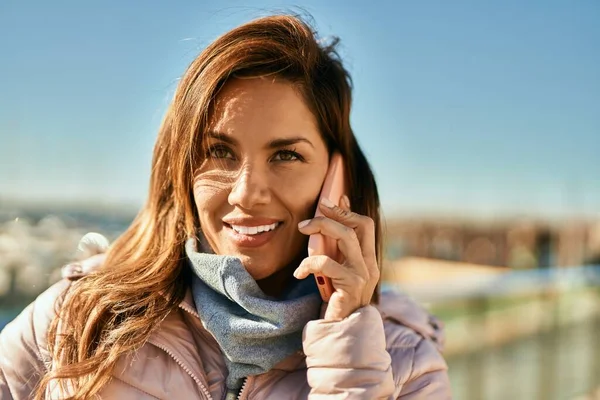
(253, 230)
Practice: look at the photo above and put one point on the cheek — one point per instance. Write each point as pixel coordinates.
(300, 196)
(210, 195)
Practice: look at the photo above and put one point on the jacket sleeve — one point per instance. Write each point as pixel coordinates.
(348, 359)
(428, 377)
(23, 346)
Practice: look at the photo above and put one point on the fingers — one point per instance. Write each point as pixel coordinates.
(346, 238)
(341, 277)
(349, 285)
(355, 280)
(365, 231)
(364, 226)
(319, 265)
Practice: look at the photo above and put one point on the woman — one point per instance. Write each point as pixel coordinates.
(208, 294)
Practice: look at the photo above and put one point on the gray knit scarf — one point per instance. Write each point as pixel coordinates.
(254, 331)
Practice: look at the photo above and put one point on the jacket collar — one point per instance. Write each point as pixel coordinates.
(188, 305)
(293, 362)
(394, 306)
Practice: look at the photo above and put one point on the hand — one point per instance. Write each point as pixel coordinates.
(91, 252)
(354, 281)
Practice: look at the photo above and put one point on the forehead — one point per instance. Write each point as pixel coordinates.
(262, 107)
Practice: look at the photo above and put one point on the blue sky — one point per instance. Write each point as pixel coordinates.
(467, 107)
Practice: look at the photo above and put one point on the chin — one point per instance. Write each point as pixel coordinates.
(257, 267)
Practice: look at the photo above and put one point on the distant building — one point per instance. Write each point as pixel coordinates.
(518, 244)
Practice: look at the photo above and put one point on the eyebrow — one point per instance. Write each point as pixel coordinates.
(222, 137)
(273, 144)
(276, 143)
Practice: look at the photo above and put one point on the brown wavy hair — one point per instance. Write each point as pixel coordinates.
(113, 311)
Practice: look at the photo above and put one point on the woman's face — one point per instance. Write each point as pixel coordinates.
(265, 164)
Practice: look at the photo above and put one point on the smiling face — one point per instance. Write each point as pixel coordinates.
(264, 167)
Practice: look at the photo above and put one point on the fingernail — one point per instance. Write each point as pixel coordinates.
(327, 203)
(302, 224)
(296, 274)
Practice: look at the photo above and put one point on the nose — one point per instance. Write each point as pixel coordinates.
(250, 188)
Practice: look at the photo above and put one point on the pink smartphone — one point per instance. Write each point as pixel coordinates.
(333, 189)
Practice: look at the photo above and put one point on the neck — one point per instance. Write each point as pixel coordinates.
(274, 285)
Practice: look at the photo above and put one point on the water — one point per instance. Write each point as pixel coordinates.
(556, 365)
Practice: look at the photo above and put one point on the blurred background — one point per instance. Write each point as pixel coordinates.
(481, 121)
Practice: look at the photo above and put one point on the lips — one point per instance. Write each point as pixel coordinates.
(251, 240)
(251, 232)
(254, 230)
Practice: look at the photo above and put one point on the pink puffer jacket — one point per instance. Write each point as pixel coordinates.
(388, 352)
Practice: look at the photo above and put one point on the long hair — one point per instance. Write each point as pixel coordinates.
(113, 311)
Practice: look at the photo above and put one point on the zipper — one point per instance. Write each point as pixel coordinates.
(242, 389)
(230, 394)
(185, 308)
(186, 369)
(226, 396)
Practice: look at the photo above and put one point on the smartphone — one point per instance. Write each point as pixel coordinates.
(334, 188)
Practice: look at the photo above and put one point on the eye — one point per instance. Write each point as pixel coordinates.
(287, 155)
(219, 152)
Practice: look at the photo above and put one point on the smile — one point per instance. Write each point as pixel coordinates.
(254, 230)
(251, 236)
